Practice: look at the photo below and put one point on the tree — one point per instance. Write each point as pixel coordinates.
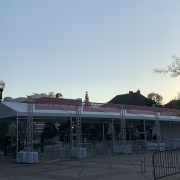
(155, 97)
(22, 131)
(43, 94)
(49, 130)
(178, 96)
(175, 103)
(64, 129)
(51, 94)
(174, 68)
(86, 97)
(3, 131)
(58, 95)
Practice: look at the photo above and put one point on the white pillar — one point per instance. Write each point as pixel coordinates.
(17, 138)
(71, 133)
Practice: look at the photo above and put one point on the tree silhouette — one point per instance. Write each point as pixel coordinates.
(155, 97)
(174, 68)
(49, 130)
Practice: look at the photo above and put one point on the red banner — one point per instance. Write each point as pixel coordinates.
(169, 112)
(140, 110)
(100, 107)
(44, 104)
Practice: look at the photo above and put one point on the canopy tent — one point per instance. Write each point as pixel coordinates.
(58, 111)
(10, 110)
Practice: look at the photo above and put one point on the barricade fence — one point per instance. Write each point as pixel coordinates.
(169, 143)
(39, 147)
(56, 153)
(166, 163)
(99, 153)
(51, 154)
(103, 153)
(126, 154)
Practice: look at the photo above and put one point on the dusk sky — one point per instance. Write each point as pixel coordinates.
(100, 46)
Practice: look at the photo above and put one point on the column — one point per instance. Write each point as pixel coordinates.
(71, 133)
(17, 138)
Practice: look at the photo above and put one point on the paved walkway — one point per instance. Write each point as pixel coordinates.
(71, 170)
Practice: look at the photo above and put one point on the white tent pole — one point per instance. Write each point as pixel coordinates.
(71, 133)
(17, 138)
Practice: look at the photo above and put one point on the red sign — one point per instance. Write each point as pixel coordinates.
(140, 110)
(169, 112)
(100, 107)
(44, 104)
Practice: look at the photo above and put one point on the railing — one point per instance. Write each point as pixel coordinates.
(52, 153)
(148, 151)
(98, 153)
(120, 153)
(126, 154)
(166, 163)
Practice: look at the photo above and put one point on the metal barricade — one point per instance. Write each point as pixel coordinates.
(52, 153)
(120, 153)
(148, 153)
(166, 163)
(126, 154)
(66, 155)
(175, 143)
(98, 153)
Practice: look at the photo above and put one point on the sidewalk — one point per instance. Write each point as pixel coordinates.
(71, 170)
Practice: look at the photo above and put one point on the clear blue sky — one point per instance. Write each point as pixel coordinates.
(100, 46)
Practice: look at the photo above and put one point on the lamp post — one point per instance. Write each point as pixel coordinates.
(2, 85)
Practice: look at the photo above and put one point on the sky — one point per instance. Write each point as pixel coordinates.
(104, 47)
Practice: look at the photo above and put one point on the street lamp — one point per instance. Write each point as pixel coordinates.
(2, 85)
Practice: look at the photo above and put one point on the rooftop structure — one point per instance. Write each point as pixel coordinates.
(132, 98)
(173, 104)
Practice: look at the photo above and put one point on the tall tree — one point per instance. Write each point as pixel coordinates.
(155, 97)
(86, 97)
(174, 68)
